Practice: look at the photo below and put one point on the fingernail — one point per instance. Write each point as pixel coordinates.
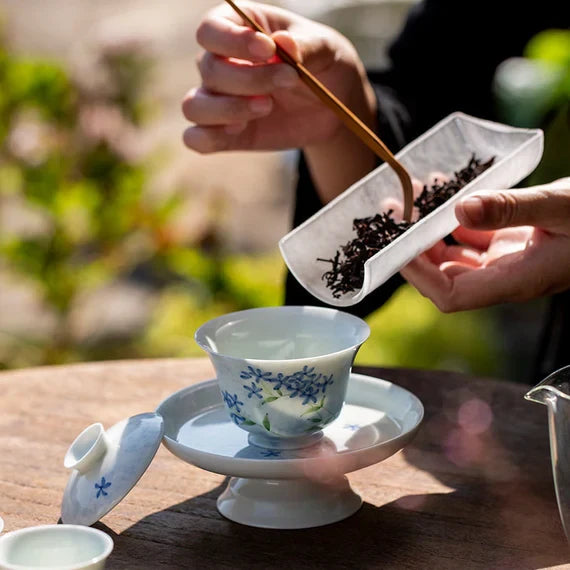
(260, 106)
(286, 77)
(473, 209)
(262, 46)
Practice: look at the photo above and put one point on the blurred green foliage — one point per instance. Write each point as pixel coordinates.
(534, 91)
(410, 331)
(552, 47)
(66, 154)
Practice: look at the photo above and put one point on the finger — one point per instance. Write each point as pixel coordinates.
(205, 108)
(426, 277)
(438, 285)
(397, 206)
(435, 253)
(456, 287)
(313, 49)
(433, 179)
(234, 77)
(224, 37)
(460, 254)
(453, 269)
(417, 187)
(482, 287)
(286, 42)
(475, 238)
(545, 206)
(207, 140)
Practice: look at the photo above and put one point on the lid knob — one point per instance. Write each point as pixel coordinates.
(86, 450)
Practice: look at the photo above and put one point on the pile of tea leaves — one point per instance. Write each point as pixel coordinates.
(376, 232)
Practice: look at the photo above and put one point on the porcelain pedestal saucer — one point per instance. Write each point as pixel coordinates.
(293, 488)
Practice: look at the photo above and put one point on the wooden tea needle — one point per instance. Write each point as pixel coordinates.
(363, 132)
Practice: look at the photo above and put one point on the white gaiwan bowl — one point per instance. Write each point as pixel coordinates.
(283, 371)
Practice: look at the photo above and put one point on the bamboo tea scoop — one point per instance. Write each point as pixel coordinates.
(366, 135)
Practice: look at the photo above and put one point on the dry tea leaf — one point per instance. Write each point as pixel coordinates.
(376, 232)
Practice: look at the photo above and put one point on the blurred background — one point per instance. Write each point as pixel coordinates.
(117, 242)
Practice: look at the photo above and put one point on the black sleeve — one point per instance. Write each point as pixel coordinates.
(445, 58)
(443, 61)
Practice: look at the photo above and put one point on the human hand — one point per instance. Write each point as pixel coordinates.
(249, 100)
(514, 245)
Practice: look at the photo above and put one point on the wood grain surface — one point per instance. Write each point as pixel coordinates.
(473, 490)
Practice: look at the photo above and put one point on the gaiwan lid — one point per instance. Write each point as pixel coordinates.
(106, 465)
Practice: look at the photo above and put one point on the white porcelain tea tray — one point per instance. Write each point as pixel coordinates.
(445, 148)
(287, 489)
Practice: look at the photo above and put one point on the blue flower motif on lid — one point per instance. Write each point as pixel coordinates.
(101, 487)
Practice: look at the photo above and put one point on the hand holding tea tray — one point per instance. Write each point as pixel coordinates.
(444, 148)
(512, 247)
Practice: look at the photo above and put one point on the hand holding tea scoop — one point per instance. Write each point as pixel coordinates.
(513, 246)
(250, 100)
(350, 120)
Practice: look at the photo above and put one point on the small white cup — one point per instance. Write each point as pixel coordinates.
(59, 546)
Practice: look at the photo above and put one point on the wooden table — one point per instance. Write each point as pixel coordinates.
(474, 489)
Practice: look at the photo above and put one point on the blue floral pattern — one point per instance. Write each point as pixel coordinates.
(270, 453)
(237, 418)
(253, 390)
(264, 386)
(101, 487)
(305, 383)
(232, 401)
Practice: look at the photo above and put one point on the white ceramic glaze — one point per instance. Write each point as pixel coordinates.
(287, 504)
(87, 449)
(55, 547)
(296, 488)
(283, 371)
(106, 465)
(1, 524)
(445, 148)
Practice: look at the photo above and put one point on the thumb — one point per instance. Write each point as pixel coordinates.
(312, 50)
(285, 40)
(545, 206)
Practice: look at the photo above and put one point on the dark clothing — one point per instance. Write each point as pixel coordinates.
(443, 61)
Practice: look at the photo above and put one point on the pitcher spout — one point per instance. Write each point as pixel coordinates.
(553, 387)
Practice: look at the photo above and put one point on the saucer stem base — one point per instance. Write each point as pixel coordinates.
(287, 504)
(268, 442)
